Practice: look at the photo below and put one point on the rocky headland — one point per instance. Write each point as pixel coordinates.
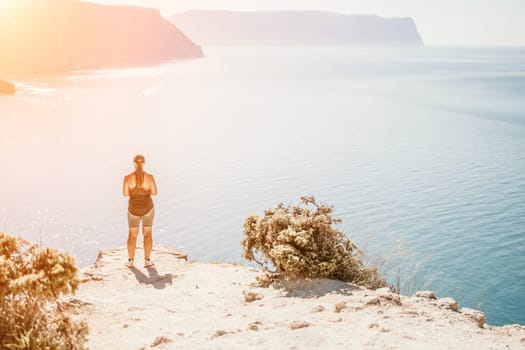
(183, 304)
(301, 28)
(7, 88)
(40, 36)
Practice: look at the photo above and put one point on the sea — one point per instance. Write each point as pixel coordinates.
(421, 152)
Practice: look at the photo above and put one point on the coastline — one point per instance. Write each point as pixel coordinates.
(189, 304)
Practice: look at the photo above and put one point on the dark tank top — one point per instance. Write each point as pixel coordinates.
(140, 201)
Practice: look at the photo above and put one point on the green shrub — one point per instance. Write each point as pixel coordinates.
(31, 280)
(302, 242)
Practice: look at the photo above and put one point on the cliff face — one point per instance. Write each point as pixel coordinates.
(61, 35)
(296, 28)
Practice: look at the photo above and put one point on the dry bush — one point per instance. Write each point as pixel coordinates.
(302, 242)
(31, 280)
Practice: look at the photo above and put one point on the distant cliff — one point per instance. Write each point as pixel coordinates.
(296, 28)
(61, 35)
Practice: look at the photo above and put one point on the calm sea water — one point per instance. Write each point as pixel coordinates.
(420, 151)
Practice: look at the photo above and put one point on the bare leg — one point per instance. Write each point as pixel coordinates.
(148, 241)
(132, 242)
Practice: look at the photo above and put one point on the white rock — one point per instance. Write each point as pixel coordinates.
(371, 300)
(385, 290)
(475, 315)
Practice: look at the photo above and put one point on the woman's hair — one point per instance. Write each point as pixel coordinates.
(139, 173)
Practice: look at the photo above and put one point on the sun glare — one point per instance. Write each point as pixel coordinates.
(7, 7)
(4, 4)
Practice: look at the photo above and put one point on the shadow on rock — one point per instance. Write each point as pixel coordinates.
(314, 288)
(156, 280)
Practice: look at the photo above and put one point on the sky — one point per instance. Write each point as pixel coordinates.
(440, 22)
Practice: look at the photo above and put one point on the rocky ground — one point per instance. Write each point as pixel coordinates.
(183, 304)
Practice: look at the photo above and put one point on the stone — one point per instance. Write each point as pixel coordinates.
(299, 324)
(371, 300)
(392, 297)
(90, 276)
(426, 294)
(160, 340)
(254, 326)
(250, 296)
(219, 333)
(318, 308)
(412, 313)
(475, 315)
(447, 303)
(339, 306)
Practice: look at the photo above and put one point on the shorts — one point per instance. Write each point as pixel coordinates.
(147, 219)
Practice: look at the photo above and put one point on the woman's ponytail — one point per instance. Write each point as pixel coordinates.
(139, 173)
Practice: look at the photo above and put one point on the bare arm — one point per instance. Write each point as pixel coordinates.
(153, 186)
(125, 187)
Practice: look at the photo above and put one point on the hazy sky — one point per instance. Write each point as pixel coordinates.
(440, 22)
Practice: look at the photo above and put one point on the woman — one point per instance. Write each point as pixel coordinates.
(140, 186)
